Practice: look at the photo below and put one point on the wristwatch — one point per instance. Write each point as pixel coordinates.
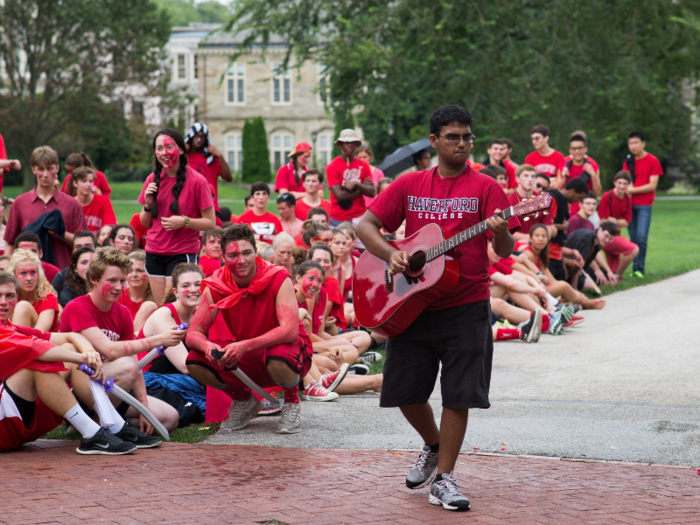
(187, 222)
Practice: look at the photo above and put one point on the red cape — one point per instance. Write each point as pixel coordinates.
(19, 351)
(222, 283)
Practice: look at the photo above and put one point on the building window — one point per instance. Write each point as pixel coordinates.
(195, 69)
(235, 84)
(281, 85)
(137, 109)
(325, 149)
(234, 151)
(181, 68)
(281, 147)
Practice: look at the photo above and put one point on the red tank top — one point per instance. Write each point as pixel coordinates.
(133, 307)
(319, 310)
(256, 314)
(335, 296)
(173, 310)
(347, 285)
(538, 261)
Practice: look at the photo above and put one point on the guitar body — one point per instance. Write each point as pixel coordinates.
(389, 310)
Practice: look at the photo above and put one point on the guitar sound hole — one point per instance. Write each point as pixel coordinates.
(416, 263)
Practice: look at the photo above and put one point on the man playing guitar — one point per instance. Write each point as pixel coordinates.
(455, 330)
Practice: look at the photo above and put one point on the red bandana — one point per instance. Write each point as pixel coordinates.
(222, 283)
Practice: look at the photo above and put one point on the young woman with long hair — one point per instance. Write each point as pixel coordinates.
(38, 305)
(289, 176)
(537, 252)
(75, 284)
(121, 237)
(81, 160)
(177, 205)
(138, 297)
(316, 233)
(180, 303)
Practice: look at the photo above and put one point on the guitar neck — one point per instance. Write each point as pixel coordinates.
(448, 244)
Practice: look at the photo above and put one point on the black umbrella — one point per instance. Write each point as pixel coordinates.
(402, 158)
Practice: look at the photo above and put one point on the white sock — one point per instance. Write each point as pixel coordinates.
(80, 421)
(551, 300)
(118, 421)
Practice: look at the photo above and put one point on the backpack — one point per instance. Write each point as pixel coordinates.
(629, 159)
(585, 177)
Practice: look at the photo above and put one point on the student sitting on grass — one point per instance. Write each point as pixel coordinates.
(38, 306)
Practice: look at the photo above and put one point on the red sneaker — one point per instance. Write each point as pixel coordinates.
(574, 321)
(316, 392)
(331, 381)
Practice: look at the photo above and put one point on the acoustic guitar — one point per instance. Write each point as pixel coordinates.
(387, 303)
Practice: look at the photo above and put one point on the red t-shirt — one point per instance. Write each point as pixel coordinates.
(612, 206)
(319, 310)
(132, 306)
(555, 251)
(576, 222)
(644, 169)
(285, 179)
(81, 314)
(50, 271)
(99, 213)
(211, 172)
(335, 296)
(511, 168)
(264, 226)
(576, 171)
(139, 229)
(547, 165)
(454, 203)
(100, 182)
(301, 210)
(339, 172)
(194, 197)
(209, 265)
(3, 156)
(299, 241)
(50, 302)
(525, 226)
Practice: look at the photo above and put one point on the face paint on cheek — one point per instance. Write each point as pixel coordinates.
(11, 303)
(106, 289)
(309, 280)
(170, 154)
(233, 262)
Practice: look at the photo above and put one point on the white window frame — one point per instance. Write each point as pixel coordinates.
(178, 77)
(324, 153)
(234, 81)
(234, 150)
(282, 78)
(285, 147)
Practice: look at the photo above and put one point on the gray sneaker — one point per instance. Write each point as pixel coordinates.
(424, 470)
(240, 413)
(290, 420)
(445, 492)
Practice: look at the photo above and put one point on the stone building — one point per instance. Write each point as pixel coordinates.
(229, 92)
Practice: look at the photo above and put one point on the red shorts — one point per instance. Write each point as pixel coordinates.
(13, 433)
(618, 246)
(254, 364)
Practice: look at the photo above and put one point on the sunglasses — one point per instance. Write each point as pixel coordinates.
(541, 186)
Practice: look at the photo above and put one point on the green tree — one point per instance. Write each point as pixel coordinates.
(62, 60)
(182, 12)
(605, 67)
(256, 155)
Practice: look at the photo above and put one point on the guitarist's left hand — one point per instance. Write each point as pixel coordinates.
(496, 224)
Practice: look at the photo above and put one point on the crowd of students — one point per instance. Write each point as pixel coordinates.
(119, 290)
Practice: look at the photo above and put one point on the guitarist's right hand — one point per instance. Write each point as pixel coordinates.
(398, 262)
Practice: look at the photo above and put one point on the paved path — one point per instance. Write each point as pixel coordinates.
(48, 483)
(624, 385)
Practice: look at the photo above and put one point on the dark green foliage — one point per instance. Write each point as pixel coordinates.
(605, 67)
(256, 155)
(182, 12)
(77, 53)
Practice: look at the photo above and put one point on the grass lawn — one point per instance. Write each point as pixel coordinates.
(191, 434)
(674, 244)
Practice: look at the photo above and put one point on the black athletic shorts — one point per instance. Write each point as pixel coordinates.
(163, 265)
(556, 266)
(460, 339)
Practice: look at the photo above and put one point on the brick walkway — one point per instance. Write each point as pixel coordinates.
(178, 483)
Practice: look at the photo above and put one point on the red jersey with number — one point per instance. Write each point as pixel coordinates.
(339, 172)
(644, 169)
(99, 213)
(265, 226)
(454, 203)
(545, 164)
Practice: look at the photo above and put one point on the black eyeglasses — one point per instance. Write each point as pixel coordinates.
(456, 139)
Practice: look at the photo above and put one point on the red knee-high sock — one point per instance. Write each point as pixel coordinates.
(237, 393)
(503, 334)
(545, 322)
(291, 395)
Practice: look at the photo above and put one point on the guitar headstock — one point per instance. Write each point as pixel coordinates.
(534, 205)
